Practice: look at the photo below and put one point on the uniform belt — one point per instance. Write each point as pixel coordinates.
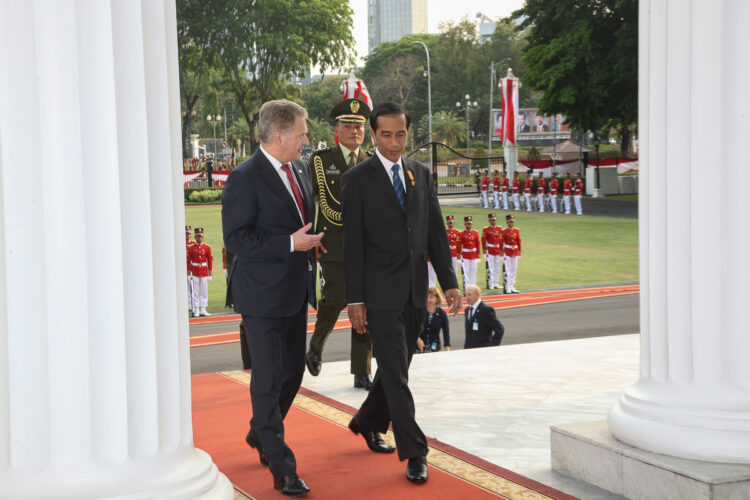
(492, 246)
(200, 263)
(471, 250)
(511, 246)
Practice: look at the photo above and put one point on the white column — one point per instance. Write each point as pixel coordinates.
(693, 396)
(94, 354)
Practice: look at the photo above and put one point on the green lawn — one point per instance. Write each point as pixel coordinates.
(558, 250)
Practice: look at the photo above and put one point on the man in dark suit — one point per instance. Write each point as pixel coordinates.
(267, 210)
(392, 225)
(483, 329)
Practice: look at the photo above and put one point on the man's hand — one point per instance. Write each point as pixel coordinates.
(320, 250)
(358, 317)
(303, 241)
(420, 344)
(453, 299)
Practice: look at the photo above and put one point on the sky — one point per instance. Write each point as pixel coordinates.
(437, 11)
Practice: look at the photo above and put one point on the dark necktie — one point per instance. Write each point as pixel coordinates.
(469, 314)
(351, 160)
(296, 192)
(399, 187)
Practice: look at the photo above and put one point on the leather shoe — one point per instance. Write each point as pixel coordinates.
(373, 439)
(416, 470)
(291, 485)
(254, 443)
(313, 362)
(363, 382)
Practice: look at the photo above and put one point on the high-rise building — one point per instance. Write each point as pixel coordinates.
(390, 20)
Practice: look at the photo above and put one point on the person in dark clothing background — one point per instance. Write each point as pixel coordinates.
(483, 329)
(435, 320)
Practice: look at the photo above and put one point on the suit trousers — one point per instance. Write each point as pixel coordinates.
(277, 346)
(394, 336)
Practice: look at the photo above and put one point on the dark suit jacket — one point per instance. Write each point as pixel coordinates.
(385, 251)
(490, 329)
(258, 214)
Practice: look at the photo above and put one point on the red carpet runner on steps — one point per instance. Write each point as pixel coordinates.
(335, 463)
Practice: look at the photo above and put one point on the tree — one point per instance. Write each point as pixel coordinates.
(583, 55)
(446, 128)
(319, 130)
(321, 96)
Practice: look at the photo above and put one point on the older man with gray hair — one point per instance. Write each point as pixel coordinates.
(267, 214)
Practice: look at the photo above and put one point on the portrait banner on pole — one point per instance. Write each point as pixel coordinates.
(510, 104)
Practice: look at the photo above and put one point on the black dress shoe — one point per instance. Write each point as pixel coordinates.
(254, 443)
(313, 362)
(373, 439)
(291, 485)
(416, 470)
(363, 382)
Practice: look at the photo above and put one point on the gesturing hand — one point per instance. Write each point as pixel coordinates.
(453, 299)
(303, 241)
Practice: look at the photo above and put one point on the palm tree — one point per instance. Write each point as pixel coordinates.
(319, 130)
(446, 128)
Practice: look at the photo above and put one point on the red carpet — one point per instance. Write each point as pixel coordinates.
(334, 462)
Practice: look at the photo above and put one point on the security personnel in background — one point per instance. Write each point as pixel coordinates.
(516, 191)
(528, 186)
(505, 186)
(553, 187)
(188, 244)
(492, 242)
(511, 253)
(326, 168)
(485, 187)
(567, 188)
(201, 262)
(540, 188)
(578, 194)
(469, 246)
(454, 240)
(496, 188)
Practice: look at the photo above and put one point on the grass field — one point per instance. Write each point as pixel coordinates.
(558, 250)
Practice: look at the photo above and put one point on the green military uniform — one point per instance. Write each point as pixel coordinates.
(326, 168)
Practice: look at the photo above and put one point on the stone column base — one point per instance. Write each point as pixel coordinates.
(588, 452)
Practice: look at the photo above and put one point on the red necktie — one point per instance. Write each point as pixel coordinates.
(295, 191)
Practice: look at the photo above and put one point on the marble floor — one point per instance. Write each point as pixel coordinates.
(499, 402)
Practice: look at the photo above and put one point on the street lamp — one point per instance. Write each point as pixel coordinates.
(597, 142)
(467, 109)
(492, 88)
(429, 100)
(214, 120)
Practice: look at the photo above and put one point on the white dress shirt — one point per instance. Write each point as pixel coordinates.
(277, 166)
(388, 164)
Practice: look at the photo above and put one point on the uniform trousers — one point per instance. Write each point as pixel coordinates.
(516, 201)
(394, 335)
(511, 268)
(431, 276)
(540, 202)
(469, 267)
(190, 291)
(200, 292)
(527, 197)
(505, 200)
(455, 265)
(277, 346)
(485, 202)
(566, 202)
(330, 305)
(577, 200)
(553, 203)
(494, 266)
(496, 197)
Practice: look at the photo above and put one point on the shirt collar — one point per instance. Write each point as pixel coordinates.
(276, 163)
(476, 304)
(348, 151)
(386, 162)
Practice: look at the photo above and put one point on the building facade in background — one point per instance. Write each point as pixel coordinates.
(390, 20)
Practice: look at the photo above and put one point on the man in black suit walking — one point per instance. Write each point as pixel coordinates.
(267, 211)
(483, 329)
(392, 225)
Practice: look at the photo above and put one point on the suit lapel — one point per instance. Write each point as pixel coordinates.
(300, 168)
(271, 178)
(382, 179)
(409, 174)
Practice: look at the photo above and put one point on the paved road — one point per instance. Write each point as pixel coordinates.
(568, 320)
(601, 207)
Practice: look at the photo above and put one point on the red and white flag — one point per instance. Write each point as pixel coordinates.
(354, 88)
(510, 110)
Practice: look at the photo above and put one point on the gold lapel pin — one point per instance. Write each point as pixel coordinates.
(411, 177)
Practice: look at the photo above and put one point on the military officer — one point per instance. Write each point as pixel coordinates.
(189, 243)
(201, 262)
(326, 169)
(454, 237)
(540, 188)
(553, 187)
(578, 194)
(505, 185)
(485, 187)
(511, 252)
(469, 245)
(528, 186)
(567, 188)
(492, 236)
(516, 191)
(496, 188)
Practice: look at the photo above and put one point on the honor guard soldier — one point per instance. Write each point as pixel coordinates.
(454, 240)
(496, 188)
(578, 194)
(528, 186)
(540, 188)
(505, 186)
(201, 262)
(326, 168)
(469, 245)
(553, 187)
(511, 253)
(516, 191)
(189, 243)
(492, 242)
(567, 189)
(485, 188)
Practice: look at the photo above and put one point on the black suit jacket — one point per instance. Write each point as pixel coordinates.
(490, 330)
(258, 214)
(385, 251)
